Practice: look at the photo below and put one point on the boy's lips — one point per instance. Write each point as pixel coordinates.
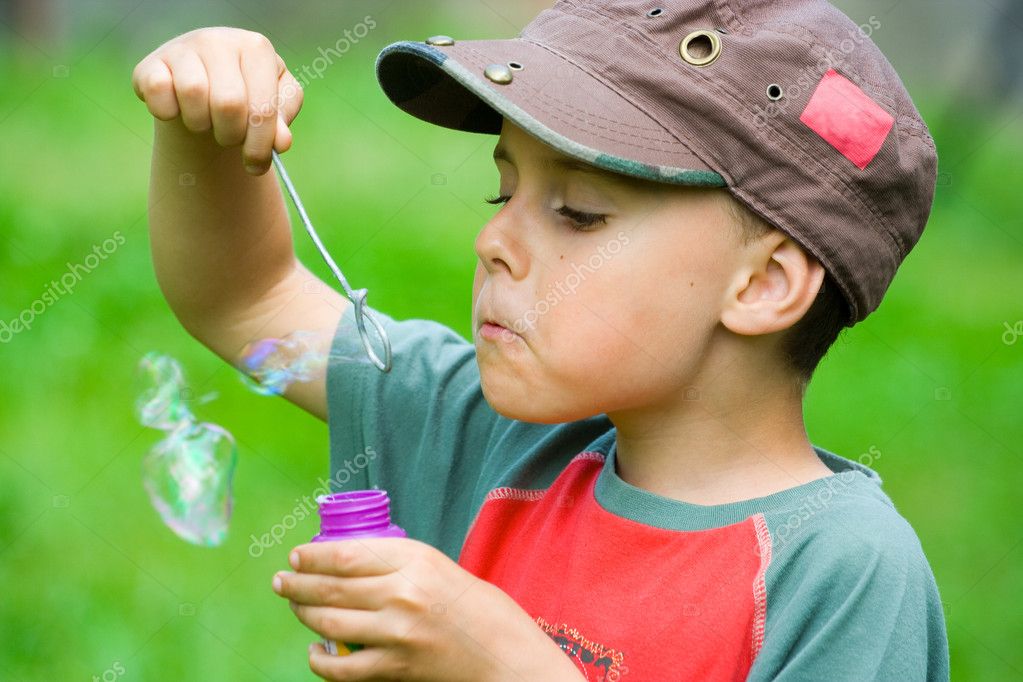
(494, 321)
(495, 332)
(493, 327)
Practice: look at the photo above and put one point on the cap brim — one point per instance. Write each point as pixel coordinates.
(551, 98)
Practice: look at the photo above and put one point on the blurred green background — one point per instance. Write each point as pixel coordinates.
(92, 585)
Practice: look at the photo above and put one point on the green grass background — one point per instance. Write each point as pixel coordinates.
(92, 582)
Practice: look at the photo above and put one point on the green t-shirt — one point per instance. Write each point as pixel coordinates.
(823, 581)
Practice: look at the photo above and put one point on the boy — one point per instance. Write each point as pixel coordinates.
(697, 197)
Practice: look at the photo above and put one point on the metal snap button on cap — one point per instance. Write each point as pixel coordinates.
(440, 40)
(499, 73)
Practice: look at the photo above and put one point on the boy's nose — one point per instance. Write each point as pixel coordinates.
(500, 246)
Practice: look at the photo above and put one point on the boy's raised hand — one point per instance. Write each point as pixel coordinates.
(227, 79)
(419, 615)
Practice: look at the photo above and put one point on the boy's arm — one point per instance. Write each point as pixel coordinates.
(223, 253)
(220, 233)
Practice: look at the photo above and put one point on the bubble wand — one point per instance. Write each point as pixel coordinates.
(357, 297)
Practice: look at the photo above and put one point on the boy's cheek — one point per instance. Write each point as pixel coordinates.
(536, 394)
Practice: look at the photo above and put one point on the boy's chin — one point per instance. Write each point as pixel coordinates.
(527, 409)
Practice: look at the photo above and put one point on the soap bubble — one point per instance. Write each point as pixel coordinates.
(161, 404)
(269, 366)
(188, 478)
(188, 473)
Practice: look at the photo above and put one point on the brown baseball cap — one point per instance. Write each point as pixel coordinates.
(786, 103)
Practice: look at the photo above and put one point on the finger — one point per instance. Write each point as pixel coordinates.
(290, 94)
(343, 625)
(229, 99)
(360, 665)
(260, 72)
(192, 89)
(154, 85)
(323, 590)
(355, 557)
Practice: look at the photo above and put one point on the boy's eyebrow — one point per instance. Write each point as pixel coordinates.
(566, 164)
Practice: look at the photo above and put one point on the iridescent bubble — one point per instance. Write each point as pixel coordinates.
(269, 366)
(161, 404)
(188, 473)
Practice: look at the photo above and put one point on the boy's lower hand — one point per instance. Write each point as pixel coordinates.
(418, 614)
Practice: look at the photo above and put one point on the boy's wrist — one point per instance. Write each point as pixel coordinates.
(555, 671)
(538, 660)
(180, 146)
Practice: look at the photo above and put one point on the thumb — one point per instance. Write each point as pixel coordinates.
(283, 137)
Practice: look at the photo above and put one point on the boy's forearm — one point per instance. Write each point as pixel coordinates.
(221, 238)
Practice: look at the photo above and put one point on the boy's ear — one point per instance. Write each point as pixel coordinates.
(775, 286)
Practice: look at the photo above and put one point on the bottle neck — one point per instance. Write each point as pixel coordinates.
(355, 513)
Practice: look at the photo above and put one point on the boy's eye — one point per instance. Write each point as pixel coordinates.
(579, 219)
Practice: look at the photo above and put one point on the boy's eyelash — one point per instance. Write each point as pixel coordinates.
(580, 220)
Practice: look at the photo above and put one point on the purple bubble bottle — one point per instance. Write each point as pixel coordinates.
(355, 514)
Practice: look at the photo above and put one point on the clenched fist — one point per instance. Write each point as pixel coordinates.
(227, 79)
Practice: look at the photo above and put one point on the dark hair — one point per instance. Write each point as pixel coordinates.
(806, 342)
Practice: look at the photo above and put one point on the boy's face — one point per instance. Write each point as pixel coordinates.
(610, 316)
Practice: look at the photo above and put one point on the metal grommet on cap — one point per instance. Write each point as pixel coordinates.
(774, 92)
(440, 40)
(515, 66)
(700, 48)
(498, 73)
(655, 12)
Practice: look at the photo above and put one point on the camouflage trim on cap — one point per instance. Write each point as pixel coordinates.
(614, 164)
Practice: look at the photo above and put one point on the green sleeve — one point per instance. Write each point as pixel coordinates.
(425, 433)
(851, 597)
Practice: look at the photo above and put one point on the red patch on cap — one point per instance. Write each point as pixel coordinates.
(847, 118)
